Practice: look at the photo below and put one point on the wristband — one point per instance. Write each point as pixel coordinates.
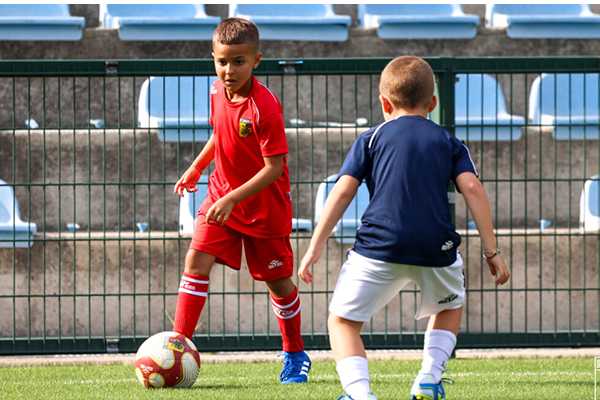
(494, 254)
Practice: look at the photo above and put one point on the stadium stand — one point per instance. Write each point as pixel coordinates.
(564, 21)
(178, 106)
(14, 232)
(480, 110)
(589, 205)
(158, 21)
(190, 203)
(345, 230)
(418, 21)
(39, 22)
(316, 22)
(568, 103)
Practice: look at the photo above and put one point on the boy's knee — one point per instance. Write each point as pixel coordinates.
(334, 322)
(198, 263)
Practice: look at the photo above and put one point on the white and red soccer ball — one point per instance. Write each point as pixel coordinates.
(167, 359)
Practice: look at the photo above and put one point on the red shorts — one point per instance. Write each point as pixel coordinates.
(268, 259)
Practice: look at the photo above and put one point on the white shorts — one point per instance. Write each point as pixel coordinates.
(366, 285)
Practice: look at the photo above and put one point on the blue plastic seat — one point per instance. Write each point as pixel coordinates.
(158, 21)
(568, 103)
(418, 21)
(345, 229)
(480, 110)
(561, 21)
(190, 204)
(316, 22)
(589, 205)
(14, 232)
(178, 106)
(39, 22)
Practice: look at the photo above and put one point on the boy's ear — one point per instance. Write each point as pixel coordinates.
(386, 104)
(432, 104)
(257, 59)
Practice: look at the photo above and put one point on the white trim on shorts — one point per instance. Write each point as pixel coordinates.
(366, 285)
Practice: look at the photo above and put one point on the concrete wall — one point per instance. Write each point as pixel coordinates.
(109, 180)
(129, 286)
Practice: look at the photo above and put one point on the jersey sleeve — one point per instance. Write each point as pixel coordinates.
(271, 135)
(357, 160)
(461, 160)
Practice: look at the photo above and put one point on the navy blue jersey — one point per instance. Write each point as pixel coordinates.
(407, 164)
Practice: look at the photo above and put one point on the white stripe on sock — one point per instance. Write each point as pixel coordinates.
(193, 293)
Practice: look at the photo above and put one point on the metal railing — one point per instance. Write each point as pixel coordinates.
(73, 148)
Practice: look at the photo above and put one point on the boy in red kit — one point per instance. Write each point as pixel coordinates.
(248, 198)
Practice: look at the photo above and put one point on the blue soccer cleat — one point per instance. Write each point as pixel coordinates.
(426, 389)
(295, 367)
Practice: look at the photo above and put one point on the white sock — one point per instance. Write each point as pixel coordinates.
(354, 376)
(437, 349)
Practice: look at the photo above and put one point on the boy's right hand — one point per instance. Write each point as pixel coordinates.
(498, 269)
(187, 181)
(311, 256)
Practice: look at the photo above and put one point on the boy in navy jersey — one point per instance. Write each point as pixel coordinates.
(406, 233)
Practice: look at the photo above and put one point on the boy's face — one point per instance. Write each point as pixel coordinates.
(234, 64)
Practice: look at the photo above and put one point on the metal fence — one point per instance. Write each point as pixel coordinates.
(78, 149)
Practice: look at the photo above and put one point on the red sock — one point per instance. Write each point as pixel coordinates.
(193, 291)
(287, 311)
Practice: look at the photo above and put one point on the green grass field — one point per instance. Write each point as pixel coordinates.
(560, 378)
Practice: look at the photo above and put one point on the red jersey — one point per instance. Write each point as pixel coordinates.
(244, 133)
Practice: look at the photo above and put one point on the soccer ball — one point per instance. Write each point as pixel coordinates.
(167, 359)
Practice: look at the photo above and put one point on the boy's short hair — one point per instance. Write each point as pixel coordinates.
(408, 82)
(236, 31)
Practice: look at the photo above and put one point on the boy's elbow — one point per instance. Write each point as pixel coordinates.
(472, 188)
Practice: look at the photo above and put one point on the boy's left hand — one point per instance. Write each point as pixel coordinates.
(220, 211)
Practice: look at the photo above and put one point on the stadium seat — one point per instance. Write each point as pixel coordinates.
(13, 231)
(589, 205)
(345, 230)
(190, 203)
(480, 110)
(39, 22)
(568, 103)
(316, 22)
(178, 106)
(418, 21)
(158, 21)
(542, 21)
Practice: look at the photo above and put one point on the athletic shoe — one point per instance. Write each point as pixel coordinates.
(295, 367)
(427, 389)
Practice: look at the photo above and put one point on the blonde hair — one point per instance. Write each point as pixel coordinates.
(408, 82)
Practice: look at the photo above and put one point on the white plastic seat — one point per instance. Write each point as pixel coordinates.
(316, 22)
(345, 230)
(567, 103)
(158, 21)
(589, 205)
(480, 110)
(14, 232)
(541, 21)
(178, 106)
(418, 21)
(39, 22)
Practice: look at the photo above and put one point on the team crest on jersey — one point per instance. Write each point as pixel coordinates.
(245, 127)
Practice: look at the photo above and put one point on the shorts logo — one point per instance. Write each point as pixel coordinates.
(245, 127)
(447, 246)
(275, 264)
(448, 299)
